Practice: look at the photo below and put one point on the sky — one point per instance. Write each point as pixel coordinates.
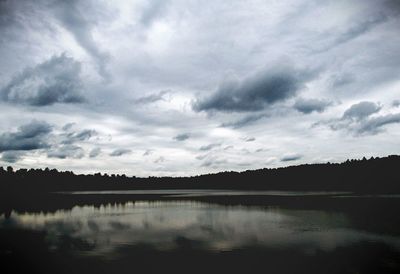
(187, 87)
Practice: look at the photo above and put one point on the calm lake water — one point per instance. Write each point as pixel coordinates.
(198, 235)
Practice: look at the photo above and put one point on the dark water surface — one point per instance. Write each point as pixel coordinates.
(331, 234)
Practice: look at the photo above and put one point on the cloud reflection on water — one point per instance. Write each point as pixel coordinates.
(169, 225)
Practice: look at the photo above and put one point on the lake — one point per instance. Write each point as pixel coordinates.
(204, 231)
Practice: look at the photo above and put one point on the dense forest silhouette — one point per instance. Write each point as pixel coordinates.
(375, 175)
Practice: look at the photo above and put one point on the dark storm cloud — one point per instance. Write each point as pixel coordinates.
(374, 125)
(39, 135)
(292, 157)
(182, 137)
(79, 136)
(13, 18)
(307, 106)
(361, 110)
(66, 151)
(72, 16)
(120, 152)
(249, 119)
(68, 126)
(94, 152)
(393, 6)
(8, 13)
(151, 98)
(56, 80)
(28, 137)
(209, 147)
(357, 119)
(254, 93)
(11, 156)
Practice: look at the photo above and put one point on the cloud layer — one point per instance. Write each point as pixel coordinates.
(178, 88)
(254, 93)
(56, 80)
(27, 137)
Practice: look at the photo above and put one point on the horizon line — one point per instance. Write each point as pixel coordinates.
(5, 168)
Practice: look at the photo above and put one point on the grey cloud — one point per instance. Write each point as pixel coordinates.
(151, 98)
(396, 103)
(249, 119)
(72, 17)
(393, 6)
(159, 160)
(201, 157)
(33, 129)
(56, 80)
(83, 135)
(360, 28)
(307, 106)
(154, 10)
(250, 139)
(68, 126)
(11, 156)
(209, 147)
(291, 157)
(147, 152)
(342, 79)
(207, 163)
(66, 151)
(374, 125)
(94, 152)
(28, 137)
(213, 162)
(357, 119)
(361, 110)
(355, 30)
(182, 137)
(8, 14)
(120, 152)
(254, 93)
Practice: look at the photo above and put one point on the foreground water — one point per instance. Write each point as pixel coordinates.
(192, 235)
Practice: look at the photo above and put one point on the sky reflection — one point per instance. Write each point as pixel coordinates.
(170, 225)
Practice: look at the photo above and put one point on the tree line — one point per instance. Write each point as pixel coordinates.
(364, 175)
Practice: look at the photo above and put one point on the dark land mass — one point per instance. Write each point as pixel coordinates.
(376, 175)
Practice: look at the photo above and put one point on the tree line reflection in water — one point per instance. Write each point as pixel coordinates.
(188, 230)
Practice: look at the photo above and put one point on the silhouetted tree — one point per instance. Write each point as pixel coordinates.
(375, 174)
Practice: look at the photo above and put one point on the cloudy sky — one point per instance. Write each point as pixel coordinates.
(183, 87)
